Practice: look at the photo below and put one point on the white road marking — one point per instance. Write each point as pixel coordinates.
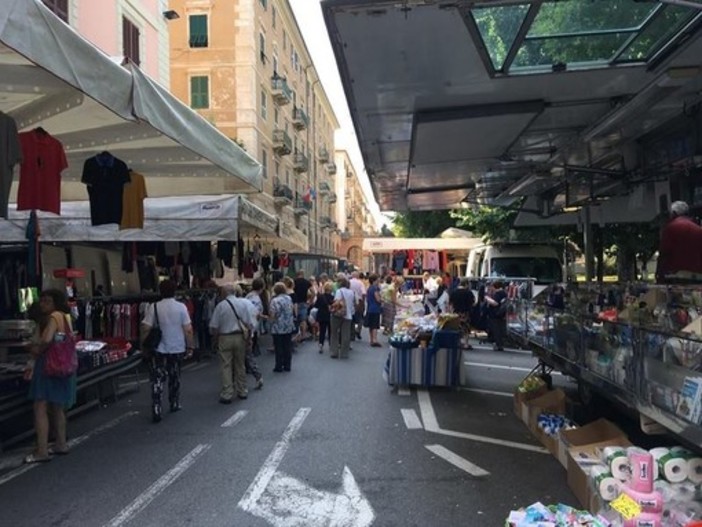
(431, 424)
(264, 476)
(284, 501)
(457, 461)
(405, 392)
(488, 392)
(503, 367)
(411, 418)
(21, 469)
(234, 419)
(143, 500)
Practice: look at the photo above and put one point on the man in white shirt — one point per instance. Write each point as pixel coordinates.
(176, 343)
(431, 292)
(359, 292)
(340, 324)
(231, 326)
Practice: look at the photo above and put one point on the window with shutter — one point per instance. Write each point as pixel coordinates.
(59, 8)
(198, 31)
(200, 92)
(130, 41)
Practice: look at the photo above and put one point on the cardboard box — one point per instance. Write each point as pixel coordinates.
(580, 460)
(520, 398)
(553, 402)
(596, 432)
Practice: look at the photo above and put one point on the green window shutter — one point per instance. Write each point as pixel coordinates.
(198, 31)
(199, 92)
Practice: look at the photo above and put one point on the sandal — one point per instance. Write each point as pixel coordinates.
(32, 458)
(55, 452)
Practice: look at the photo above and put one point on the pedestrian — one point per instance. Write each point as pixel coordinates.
(359, 292)
(342, 312)
(461, 302)
(176, 344)
(389, 304)
(373, 310)
(231, 327)
(302, 288)
(497, 315)
(282, 326)
(252, 350)
(323, 304)
(52, 396)
(680, 247)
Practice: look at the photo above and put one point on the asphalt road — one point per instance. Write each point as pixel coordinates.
(327, 444)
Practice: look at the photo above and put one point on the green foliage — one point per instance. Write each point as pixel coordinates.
(489, 223)
(421, 224)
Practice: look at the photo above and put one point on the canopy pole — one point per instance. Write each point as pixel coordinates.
(589, 245)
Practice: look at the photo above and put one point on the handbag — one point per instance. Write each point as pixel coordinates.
(61, 357)
(153, 337)
(244, 329)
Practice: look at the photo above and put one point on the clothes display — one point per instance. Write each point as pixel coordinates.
(105, 177)
(10, 155)
(133, 196)
(43, 160)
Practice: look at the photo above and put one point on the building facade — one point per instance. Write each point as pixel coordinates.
(133, 29)
(244, 66)
(354, 217)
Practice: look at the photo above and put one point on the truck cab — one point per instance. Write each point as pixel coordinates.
(516, 260)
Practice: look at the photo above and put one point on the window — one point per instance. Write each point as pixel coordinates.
(277, 170)
(59, 8)
(198, 31)
(285, 40)
(200, 92)
(264, 3)
(276, 115)
(264, 104)
(264, 163)
(262, 47)
(275, 64)
(274, 16)
(130, 41)
(287, 176)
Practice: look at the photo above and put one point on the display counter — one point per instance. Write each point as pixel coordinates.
(638, 345)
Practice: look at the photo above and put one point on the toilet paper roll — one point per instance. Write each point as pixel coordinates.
(665, 488)
(672, 467)
(615, 458)
(694, 470)
(646, 519)
(658, 453)
(648, 501)
(604, 483)
(641, 467)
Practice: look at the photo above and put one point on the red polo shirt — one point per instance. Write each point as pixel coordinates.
(680, 248)
(43, 160)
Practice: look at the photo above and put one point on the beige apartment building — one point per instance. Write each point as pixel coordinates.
(353, 215)
(244, 66)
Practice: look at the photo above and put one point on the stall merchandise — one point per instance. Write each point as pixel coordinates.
(43, 160)
(10, 155)
(540, 515)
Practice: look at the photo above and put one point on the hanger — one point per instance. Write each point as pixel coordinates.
(41, 130)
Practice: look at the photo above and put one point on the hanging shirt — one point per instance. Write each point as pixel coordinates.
(43, 160)
(133, 196)
(10, 155)
(105, 176)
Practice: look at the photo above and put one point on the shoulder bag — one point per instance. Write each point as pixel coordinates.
(61, 357)
(153, 337)
(244, 329)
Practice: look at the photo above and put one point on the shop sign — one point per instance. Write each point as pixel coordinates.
(253, 215)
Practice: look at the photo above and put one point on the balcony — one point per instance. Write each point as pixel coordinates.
(324, 188)
(323, 154)
(282, 142)
(325, 222)
(302, 206)
(333, 225)
(299, 119)
(345, 235)
(281, 92)
(300, 163)
(331, 168)
(283, 195)
(332, 197)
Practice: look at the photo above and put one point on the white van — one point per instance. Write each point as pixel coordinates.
(516, 260)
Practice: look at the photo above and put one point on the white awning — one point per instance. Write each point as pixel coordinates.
(52, 77)
(388, 245)
(191, 218)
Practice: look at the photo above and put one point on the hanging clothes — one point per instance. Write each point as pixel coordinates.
(133, 196)
(43, 160)
(105, 177)
(10, 155)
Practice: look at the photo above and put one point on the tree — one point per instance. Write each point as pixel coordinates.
(422, 224)
(489, 223)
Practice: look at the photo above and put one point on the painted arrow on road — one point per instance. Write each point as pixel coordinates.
(284, 501)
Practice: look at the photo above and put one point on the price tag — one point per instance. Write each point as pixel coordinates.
(626, 506)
